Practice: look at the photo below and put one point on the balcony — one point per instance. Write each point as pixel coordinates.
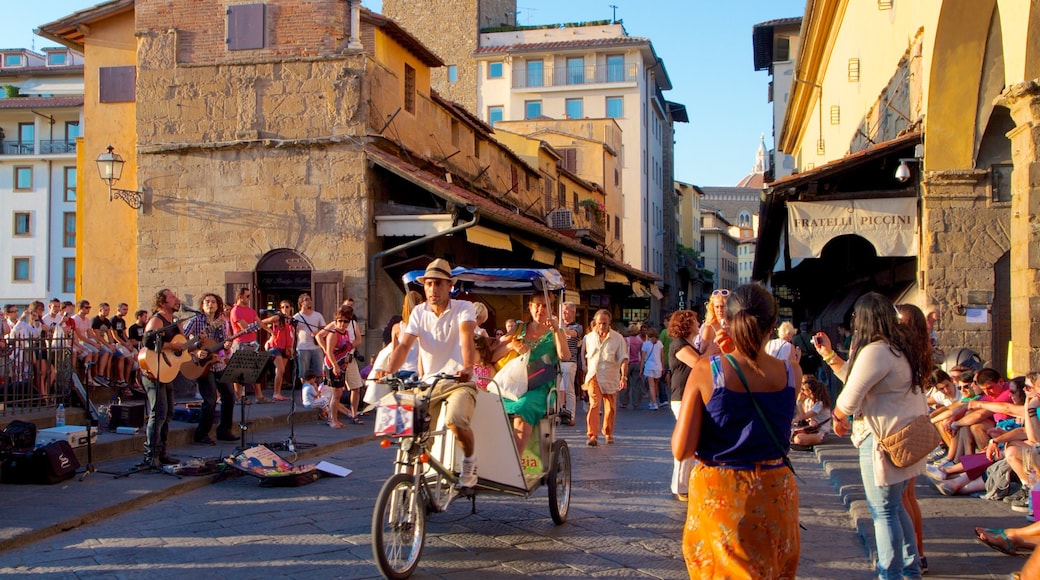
(47, 147)
(567, 76)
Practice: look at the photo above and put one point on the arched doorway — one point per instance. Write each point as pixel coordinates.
(284, 274)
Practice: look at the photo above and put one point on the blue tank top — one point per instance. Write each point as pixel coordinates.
(732, 431)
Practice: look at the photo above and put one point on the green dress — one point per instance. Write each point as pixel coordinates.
(531, 406)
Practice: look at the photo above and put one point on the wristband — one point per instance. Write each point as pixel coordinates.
(827, 359)
(1031, 412)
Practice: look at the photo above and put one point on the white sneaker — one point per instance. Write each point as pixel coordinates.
(468, 477)
(652, 406)
(932, 471)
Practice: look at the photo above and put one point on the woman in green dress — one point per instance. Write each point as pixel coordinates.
(546, 342)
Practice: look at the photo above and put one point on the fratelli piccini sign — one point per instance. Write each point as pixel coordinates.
(889, 224)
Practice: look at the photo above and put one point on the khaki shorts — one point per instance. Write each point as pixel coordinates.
(461, 399)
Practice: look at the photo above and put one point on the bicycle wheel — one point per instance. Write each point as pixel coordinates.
(398, 527)
(560, 482)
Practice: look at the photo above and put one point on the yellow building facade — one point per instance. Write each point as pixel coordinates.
(950, 91)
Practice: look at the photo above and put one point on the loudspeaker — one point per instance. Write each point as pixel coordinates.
(127, 415)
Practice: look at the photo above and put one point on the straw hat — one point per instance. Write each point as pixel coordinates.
(438, 269)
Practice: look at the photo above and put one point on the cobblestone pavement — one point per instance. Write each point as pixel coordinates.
(622, 523)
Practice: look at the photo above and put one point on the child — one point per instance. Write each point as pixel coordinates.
(314, 396)
(484, 369)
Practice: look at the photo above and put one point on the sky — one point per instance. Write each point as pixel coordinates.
(705, 46)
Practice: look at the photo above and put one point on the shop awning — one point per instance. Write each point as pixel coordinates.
(639, 290)
(655, 291)
(412, 225)
(587, 266)
(568, 260)
(53, 86)
(489, 237)
(615, 277)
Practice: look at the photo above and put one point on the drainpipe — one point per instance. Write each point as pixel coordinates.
(379, 255)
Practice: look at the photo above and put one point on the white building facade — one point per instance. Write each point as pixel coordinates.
(592, 71)
(41, 115)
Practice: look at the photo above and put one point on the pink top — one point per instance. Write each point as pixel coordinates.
(281, 337)
(635, 344)
(246, 316)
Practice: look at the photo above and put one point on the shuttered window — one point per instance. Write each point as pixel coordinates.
(245, 26)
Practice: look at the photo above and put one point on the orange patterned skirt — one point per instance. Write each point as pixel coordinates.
(741, 523)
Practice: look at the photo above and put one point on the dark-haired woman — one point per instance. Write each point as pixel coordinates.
(742, 519)
(883, 392)
(683, 326)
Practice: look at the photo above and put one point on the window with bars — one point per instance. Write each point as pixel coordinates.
(409, 89)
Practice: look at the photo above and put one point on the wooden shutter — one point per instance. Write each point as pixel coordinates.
(116, 84)
(327, 291)
(233, 281)
(245, 26)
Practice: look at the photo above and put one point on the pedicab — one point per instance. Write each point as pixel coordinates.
(428, 459)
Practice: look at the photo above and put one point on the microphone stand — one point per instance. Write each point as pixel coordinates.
(291, 443)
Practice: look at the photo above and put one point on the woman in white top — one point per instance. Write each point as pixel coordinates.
(652, 357)
(812, 414)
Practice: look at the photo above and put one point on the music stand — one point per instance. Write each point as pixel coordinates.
(93, 420)
(245, 367)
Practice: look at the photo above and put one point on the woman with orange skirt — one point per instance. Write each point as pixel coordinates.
(735, 418)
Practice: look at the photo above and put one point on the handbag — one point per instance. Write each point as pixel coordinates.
(511, 381)
(912, 443)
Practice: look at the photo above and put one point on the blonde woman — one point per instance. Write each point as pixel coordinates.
(713, 323)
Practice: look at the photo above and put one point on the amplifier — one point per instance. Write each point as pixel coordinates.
(127, 415)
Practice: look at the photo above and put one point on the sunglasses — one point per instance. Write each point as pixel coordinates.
(722, 292)
(339, 320)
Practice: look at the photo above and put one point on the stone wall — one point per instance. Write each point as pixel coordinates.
(965, 234)
(241, 159)
(450, 29)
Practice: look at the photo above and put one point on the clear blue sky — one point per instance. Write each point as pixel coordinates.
(705, 45)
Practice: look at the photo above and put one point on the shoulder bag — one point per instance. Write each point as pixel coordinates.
(912, 443)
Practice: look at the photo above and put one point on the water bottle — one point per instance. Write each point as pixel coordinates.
(59, 417)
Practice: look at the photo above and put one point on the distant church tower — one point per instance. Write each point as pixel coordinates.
(451, 29)
(756, 179)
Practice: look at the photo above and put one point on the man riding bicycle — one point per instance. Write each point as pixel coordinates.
(444, 328)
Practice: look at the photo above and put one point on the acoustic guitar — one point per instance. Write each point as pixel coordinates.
(166, 365)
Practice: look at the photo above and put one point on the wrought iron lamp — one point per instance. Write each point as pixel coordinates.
(110, 167)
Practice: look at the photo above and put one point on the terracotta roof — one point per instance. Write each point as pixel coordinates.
(40, 102)
(754, 180)
(564, 45)
(43, 71)
(68, 31)
(495, 212)
(844, 163)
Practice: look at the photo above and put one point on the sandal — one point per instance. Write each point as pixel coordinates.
(1003, 545)
(280, 398)
(337, 425)
(357, 420)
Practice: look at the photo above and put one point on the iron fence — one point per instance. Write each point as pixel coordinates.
(35, 374)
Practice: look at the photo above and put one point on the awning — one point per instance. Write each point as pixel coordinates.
(655, 291)
(570, 261)
(53, 86)
(615, 277)
(412, 225)
(593, 283)
(587, 266)
(639, 290)
(890, 224)
(489, 237)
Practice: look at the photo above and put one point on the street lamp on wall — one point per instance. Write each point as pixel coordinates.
(110, 168)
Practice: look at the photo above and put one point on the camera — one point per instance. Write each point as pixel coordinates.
(816, 340)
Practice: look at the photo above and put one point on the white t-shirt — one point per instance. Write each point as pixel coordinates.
(311, 398)
(779, 348)
(309, 324)
(440, 350)
(652, 355)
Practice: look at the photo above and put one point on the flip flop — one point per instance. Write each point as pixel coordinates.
(357, 421)
(1004, 546)
(280, 398)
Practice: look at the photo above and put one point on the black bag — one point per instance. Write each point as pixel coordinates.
(18, 436)
(49, 464)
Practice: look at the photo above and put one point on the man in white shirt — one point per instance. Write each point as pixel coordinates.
(606, 356)
(444, 329)
(308, 322)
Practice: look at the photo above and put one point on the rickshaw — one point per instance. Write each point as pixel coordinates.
(428, 460)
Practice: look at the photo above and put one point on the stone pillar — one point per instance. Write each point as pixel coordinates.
(1023, 100)
(355, 25)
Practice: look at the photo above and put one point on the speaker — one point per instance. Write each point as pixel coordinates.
(127, 415)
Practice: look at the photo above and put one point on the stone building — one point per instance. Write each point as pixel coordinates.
(928, 138)
(300, 148)
(575, 71)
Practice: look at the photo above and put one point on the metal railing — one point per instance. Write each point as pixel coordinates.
(35, 374)
(550, 76)
(47, 147)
